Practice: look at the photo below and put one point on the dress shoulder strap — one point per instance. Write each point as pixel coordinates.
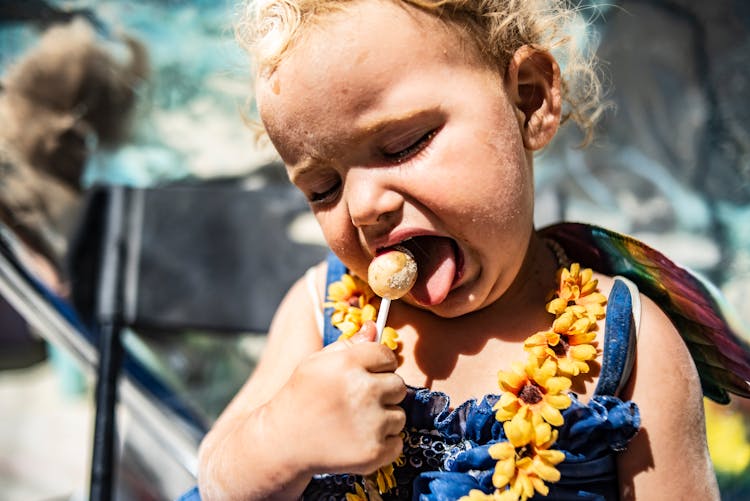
(312, 291)
(335, 269)
(620, 336)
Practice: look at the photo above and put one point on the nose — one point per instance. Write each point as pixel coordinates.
(371, 199)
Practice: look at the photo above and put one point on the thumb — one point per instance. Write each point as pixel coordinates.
(368, 332)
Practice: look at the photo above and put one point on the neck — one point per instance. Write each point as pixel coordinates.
(531, 286)
(523, 301)
(511, 319)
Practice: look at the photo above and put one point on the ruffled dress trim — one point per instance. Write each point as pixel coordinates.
(447, 450)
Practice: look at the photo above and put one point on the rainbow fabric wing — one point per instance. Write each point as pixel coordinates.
(718, 343)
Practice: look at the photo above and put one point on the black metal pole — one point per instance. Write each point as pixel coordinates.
(109, 322)
(103, 465)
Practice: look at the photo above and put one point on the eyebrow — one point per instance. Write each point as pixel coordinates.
(381, 123)
(302, 168)
(374, 126)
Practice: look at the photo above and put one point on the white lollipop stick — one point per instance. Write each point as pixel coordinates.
(385, 305)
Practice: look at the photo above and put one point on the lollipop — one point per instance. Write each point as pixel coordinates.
(391, 275)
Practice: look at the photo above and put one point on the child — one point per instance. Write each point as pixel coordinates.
(414, 123)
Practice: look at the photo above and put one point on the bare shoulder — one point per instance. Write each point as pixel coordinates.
(663, 358)
(668, 458)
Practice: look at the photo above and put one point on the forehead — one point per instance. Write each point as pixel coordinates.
(356, 59)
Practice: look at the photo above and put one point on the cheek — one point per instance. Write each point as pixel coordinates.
(331, 229)
(513, 201)
(494, 185)
(343, 239)
(509, 181)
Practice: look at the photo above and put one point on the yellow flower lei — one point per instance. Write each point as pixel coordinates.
(532, 393)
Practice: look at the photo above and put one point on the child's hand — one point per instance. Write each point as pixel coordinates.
(339, 408)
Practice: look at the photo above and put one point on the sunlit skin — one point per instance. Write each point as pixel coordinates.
(396, 136)
(373, 138)
(373, 134)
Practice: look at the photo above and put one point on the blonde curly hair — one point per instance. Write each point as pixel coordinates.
(268, 29)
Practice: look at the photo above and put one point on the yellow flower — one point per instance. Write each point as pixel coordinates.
(574, 320)
(349, 291)
(497, 495)
(350, 299)
(531, 399)
(389, 338)
(571, 351)
(358, 495)
(525, 470)
(574, 348)
(476, 495)
(542, 344)
(350, 320)
(506, 495)
(505, 468)
(383, 478)
(578, 287)
(575, 361)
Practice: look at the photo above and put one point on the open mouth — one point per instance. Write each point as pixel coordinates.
(439, 264)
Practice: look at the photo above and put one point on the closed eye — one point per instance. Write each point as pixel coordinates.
(327, 195)
(412, 148)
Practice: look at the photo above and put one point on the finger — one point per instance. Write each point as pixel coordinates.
(395, 421)
(389, 449)
(392, 388)
(368, 332)
(374, 357)
(394, 446)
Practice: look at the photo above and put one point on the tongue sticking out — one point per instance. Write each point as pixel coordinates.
(436, 262)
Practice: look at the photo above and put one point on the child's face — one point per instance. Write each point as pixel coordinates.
(394, 130)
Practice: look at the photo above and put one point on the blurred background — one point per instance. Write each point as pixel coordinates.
(137, 200)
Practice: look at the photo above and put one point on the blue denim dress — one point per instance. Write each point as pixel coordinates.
(446, 449)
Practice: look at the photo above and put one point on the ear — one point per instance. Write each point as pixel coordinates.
(533, 85)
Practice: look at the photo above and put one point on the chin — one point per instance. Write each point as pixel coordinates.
(455, 305)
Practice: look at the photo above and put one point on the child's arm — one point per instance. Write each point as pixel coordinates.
(304, 411)
(668, 458)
